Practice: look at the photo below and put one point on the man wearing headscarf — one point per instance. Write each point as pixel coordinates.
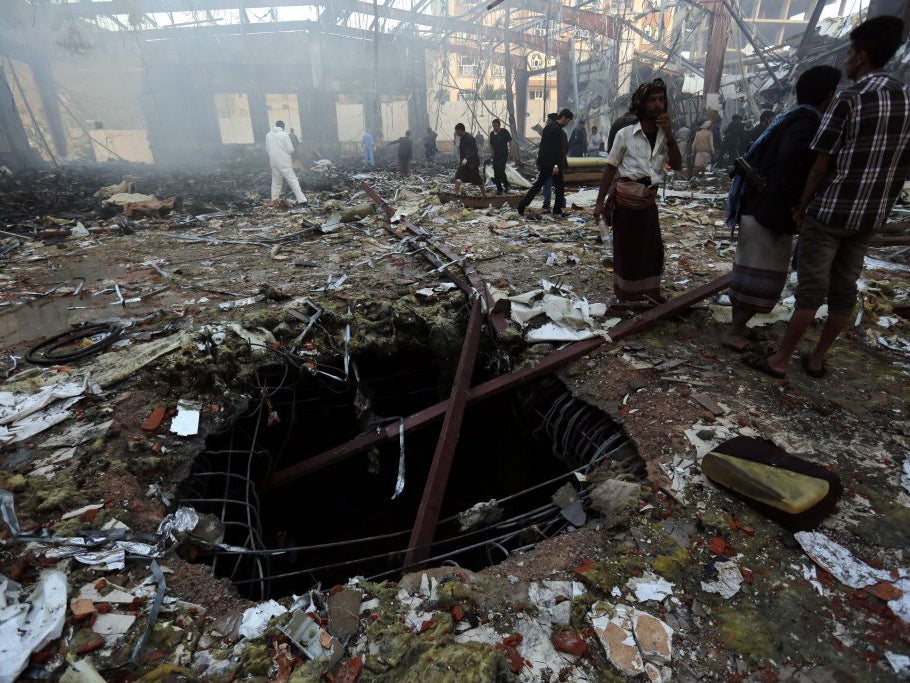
(636, 163)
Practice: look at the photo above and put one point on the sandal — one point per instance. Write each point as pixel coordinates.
(759, 362)
(817, 374)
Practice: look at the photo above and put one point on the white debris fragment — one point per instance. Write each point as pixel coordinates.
(901, 605)
(728, 582)
(650, 587)
(255, 620)
(79, 434)
(81, 511)
(186, 422)
(28, 626)
(905, 476)
(838, 561)
(810, 575)
(900, 663)
(112, 624)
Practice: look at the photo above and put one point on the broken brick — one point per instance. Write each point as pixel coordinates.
(155, 419)
(718, 546)
(570, 642)
(457, 613)
(82, 608)
(85, 640)
(350, 671)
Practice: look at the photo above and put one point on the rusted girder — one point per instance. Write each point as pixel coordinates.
(435, 488)
(495, 386)
(496, 317)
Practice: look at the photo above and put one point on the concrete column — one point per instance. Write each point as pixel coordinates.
(45, 82)
(563, 82)
(14, 149)
(714, 60)
(521, 100)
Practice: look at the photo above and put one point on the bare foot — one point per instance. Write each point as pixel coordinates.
(735, 342)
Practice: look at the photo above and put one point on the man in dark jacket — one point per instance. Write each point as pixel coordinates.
(781, 158)
(429, 143)
(578, 141)
(764, 120)
(405, 153)
(551, 162)
(499, 143)
(734, 138)
(469, 166)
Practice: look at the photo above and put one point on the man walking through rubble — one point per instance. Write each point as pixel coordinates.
(551, 162)
(469, 164)
(862, 160)
(499, 143)
(636, 162)
(762, 202)
(281, 160)
(405, 153)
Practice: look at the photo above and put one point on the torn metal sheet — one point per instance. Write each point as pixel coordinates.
(28, 626)
(38, 422)
(399, 481)
(839, 561)
(78, 435)
(160, 588)
(16, 406)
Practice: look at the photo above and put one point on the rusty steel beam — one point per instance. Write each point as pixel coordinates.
(496, 317)
(435, 488)
(429, 415)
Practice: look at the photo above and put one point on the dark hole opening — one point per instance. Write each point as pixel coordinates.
(517, 448)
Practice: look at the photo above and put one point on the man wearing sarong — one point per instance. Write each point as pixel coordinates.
(636, 163)
(780, 158)
(469, 165)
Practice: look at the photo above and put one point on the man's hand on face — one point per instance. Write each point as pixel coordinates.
(464, 162)
(664, 122)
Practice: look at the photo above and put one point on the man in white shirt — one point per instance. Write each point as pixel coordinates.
(281, 159)
(636, 163)
(595, 141)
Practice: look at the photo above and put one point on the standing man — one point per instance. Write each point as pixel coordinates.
(578, 141)
(551, 162)
(682, 137)
(405, 153)
(780, 159)
(499, 143)
(429, 144)
(281, 160)
(595, 142)
(367, 141)
(734, 137)
(469, 165)
(478, 138)
(862, 159)
(703, 147)
(637, 163)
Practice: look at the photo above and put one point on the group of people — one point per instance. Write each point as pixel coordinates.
(828, 170)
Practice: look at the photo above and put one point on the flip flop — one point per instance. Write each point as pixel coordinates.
(759, 362)
(817, 374)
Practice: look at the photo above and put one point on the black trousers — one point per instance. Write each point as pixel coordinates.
(499, 174)
(558, 186)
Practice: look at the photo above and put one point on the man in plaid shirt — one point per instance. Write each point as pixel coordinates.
(862, 159)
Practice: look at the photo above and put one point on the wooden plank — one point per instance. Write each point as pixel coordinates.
(435, 487)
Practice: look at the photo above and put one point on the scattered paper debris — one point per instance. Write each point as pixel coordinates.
(728, 582)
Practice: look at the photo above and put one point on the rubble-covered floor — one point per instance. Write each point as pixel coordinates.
(224, 284)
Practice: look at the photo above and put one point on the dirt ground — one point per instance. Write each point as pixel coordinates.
(189, 275)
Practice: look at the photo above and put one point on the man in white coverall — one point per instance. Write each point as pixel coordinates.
(281, 159)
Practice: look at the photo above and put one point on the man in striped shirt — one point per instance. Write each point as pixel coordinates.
(862, 159)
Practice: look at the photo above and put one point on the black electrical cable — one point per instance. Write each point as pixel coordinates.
(42, 354)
